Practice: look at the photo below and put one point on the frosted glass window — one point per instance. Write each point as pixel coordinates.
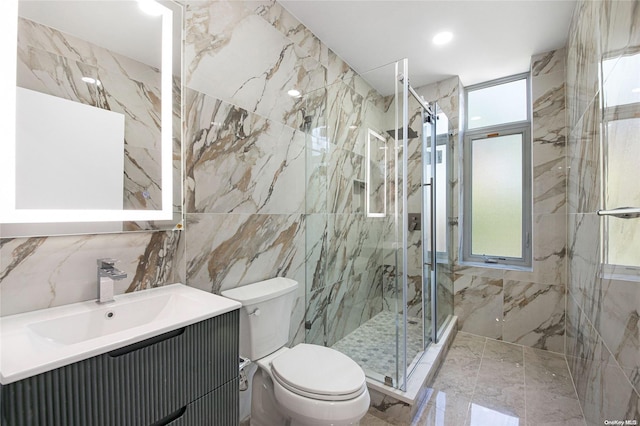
(621, 189)
(497, 172)
(622, 83)
(498, 104)
(496, 196)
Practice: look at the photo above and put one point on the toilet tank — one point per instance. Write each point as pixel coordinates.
(265, 315)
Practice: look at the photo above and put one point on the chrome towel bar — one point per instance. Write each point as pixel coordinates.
(621, 212)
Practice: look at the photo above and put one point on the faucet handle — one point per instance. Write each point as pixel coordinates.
(106, 263)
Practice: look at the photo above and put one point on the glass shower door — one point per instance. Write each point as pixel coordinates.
(429, 229)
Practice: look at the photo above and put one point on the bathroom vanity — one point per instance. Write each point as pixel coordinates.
(178, 365)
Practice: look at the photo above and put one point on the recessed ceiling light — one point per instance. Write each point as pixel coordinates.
(294, 93)
(477, 117)
(636, 90)
(443, 37)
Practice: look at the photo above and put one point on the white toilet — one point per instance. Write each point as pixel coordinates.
(303, 385)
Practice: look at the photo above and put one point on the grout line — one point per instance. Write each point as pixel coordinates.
(575, 390)
(604, 345)
(524, 390)
(475, 383)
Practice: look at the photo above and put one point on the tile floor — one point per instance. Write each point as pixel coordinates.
(485, 382)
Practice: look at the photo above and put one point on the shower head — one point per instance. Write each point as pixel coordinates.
(411, 134)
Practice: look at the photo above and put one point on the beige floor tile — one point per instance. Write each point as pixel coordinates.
(547, 372)
(442, 409)
(487, 382)
(544, 408)
(371, 420)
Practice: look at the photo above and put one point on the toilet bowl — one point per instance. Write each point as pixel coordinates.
(306, 385)
(315, 385)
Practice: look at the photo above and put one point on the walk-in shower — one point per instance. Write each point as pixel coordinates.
(377, 234)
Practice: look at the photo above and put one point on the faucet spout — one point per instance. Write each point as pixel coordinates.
(107, 275)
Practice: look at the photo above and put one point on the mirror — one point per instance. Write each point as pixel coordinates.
(94, 117)
(376, 175)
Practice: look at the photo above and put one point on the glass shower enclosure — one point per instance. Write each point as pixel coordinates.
(377, 239)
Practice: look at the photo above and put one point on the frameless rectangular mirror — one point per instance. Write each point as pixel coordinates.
(376, 175)
(93, 116)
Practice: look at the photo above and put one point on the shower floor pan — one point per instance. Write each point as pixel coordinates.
(373, 345)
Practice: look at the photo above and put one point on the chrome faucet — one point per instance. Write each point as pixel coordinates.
(107, 275)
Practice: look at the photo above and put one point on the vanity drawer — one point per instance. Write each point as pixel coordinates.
(135, 385)
(217, 408)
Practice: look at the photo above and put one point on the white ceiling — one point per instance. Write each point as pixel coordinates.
(492, 39)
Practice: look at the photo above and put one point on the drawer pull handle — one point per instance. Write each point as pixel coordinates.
(147, 342)
(171, 417)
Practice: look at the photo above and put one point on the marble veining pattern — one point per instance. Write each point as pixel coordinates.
(230, 154)
(218, 31)
(603, 347)
(43, 272)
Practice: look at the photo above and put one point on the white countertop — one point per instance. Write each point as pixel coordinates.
(27, 350)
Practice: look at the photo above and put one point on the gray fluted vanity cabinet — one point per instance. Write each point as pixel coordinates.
(186, 377)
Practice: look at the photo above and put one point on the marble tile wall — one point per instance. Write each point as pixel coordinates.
(244, 144)
(42, 272)
(603, 338)
(271, 181)
(516, 306)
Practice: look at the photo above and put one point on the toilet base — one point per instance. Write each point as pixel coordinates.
(264, 408)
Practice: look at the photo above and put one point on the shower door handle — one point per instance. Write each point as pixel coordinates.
(621, 212)
(432, 214)
(430, 260)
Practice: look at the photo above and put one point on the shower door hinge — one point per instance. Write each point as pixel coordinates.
(388, 381)
(307, 325)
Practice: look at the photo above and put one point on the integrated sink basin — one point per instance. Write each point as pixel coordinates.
(39, 341)
(108, 319)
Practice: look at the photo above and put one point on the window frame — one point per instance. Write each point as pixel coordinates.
(612, 113)
(523, 127)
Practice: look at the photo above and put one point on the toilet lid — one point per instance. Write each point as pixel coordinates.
(319, 372)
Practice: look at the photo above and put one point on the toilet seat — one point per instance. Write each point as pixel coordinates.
(319, 373)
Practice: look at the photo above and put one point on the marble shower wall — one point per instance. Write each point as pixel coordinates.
(603, 305)
(345, 247)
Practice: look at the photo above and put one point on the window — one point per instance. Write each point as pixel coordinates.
(497, 173)
(620, 151)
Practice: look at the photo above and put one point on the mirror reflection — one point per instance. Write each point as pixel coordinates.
(376, 184)
(89, 107)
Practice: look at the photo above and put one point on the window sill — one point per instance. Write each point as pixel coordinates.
(497, 266)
